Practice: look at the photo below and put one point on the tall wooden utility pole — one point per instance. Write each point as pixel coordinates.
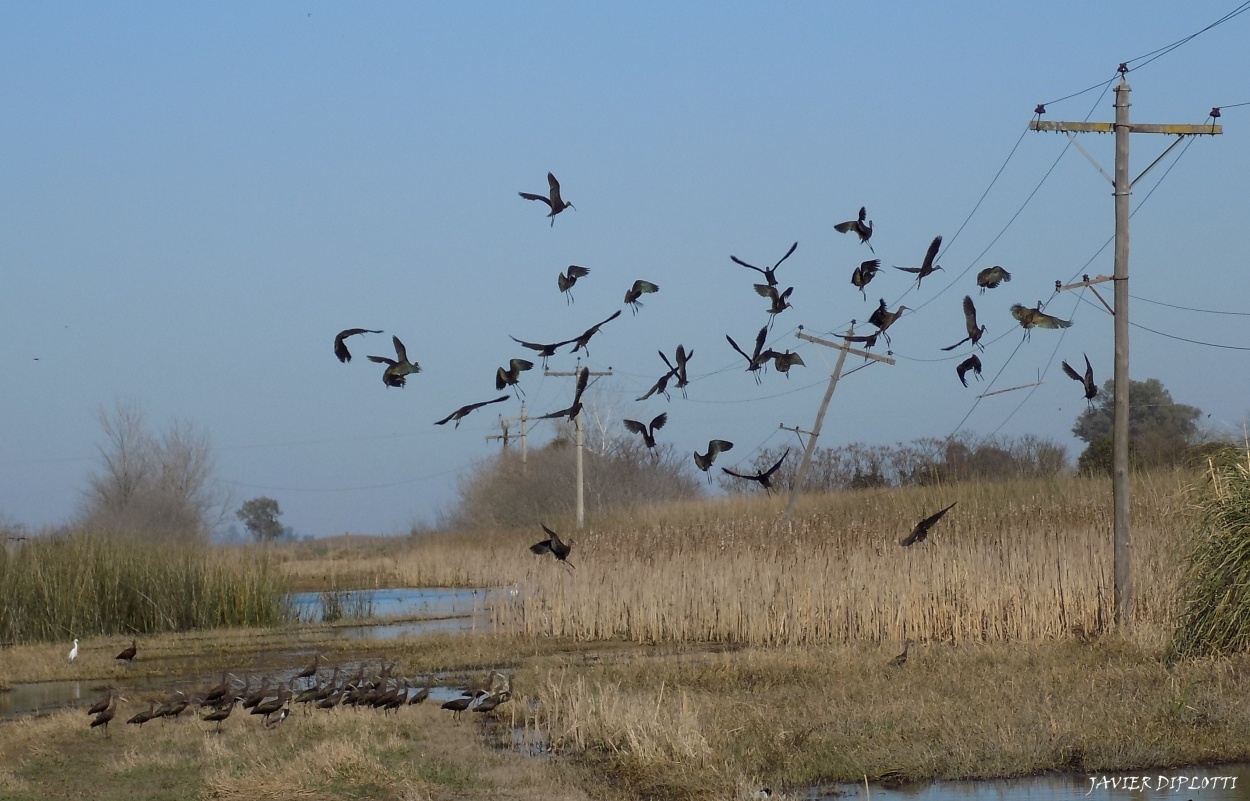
(579, 428)
(824, 405)
(1122, 187)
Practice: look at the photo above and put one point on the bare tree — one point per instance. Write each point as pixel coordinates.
(157, 487)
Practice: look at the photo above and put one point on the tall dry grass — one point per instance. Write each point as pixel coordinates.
(60, 587)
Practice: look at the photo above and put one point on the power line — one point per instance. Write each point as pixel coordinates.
(1163, 51)
(1175, 336)
(1189, 308)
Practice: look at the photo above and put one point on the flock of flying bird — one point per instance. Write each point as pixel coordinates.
(882, 319)
(380, 691)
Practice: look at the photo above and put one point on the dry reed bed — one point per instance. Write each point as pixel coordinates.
(1014, 561)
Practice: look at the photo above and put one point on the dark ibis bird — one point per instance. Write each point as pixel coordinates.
(250, 701)
(419, 697)
(921, 530)
(867, 340)
(340, 347)
(101, 705)
(901, 659)
(511, 377)
(1036, 318)
(583, 376)
(636, 291)
(660, 386)
(566, 281)
(865, 272)
(972, 363)
(647, 431)
(218, 692)
(105, 715)
(770, 274)
(883, 318)
(555, 201)
(282, 714)
(704, 461)
(777, 301)
(991, 277)
(398, 369)
(458, 705)
(1087, 380)
(975, 332)
(782, 362)
(310, 672)
(682, 358)
(221, 711)
(271, 706)
(927, 267)
(764, 477)
(862, 229)
(543, 350)
(467, 409)
(173, 706)
(581, 342)
(491, 701)
(143, 717)
(554, 546)
(757, 358)
(128, 655)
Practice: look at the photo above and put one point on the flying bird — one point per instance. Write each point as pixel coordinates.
(554, 546)
(778, 301)
(864, 231)
(927, 267)
(883, 318)
(636, 291)
(660, 386)
(865, 272)
(682, 358)
(756, 360)
(975, 332)
(512, 376)
(714, 447)
(765, 478)
(1091, 389)
(583, 376)
(582, 341)
(543, 350)
(991, 277)
(921, 530)
(770, 275)
(647, 431)
(972, 363)
(340, 347)
(557, 203)
(566, 281)
(1036, 318)
(464, 411)
(396, 372)
(782, 362)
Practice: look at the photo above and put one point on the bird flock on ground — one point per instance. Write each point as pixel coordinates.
(760, 357)
(379, 690)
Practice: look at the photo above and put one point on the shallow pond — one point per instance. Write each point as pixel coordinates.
(440, 602)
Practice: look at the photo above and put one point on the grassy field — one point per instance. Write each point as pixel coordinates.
(702, 651)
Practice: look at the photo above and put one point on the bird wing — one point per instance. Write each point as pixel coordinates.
(1044, 320)
(844, 227)
(565, 283)
(634, 426)
(957, 344)
(970, 316)
(382, 360)
(773, 469)
(583, 376)
(683, 357)
(461, 412)
(645, 286)
(658, 421)
(783, 258)
(718, 446)
(578, 272)
(520, 365)
(759, 342)
(1089, 373)
(731, 342)
(400, 351)
(927, 264)
(554, 186)
(554, 415)
(613, 316)
(871, 266)
(738, 475)
(766, 291)
(501, 378)
(541, 547)
(863, 213)
(936, 516)
(737, 260)
(1073, 374)
(909, 269)
(667, 363)
(531, 196)
(524, 344)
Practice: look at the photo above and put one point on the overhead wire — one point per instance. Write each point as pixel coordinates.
(1163, 51)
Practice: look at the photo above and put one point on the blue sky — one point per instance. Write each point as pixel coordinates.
(194, 198)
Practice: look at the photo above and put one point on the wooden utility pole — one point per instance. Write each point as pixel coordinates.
(579, 428)
(505, 424)
(814, 434)
(1122, 187)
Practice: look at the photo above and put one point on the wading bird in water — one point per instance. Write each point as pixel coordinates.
(557, 203)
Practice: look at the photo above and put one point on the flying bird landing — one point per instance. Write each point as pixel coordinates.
(647, 431)
(543, 350)
(583, 341)
(927, 267)
(397, 370)
(770, 275)
(636, 291)
(682, 358)
(1036, 318)
(865, 272)
(566, 281)
(864, 231)
(554, 546)
(883, 318)
(757, 358)
(777, 301)
(714, 447)
(464, 411)
(972, 363)
(975, 332)
(340, 348)
(583, 377)
(511, 377)
(991, 277)
(557, 203)
(921, 530)
(765, 477)
(1091, 389)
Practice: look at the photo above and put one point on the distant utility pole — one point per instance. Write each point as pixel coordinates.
(579, 427)
(505, 424)
(1122, 186)
(824, 405)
